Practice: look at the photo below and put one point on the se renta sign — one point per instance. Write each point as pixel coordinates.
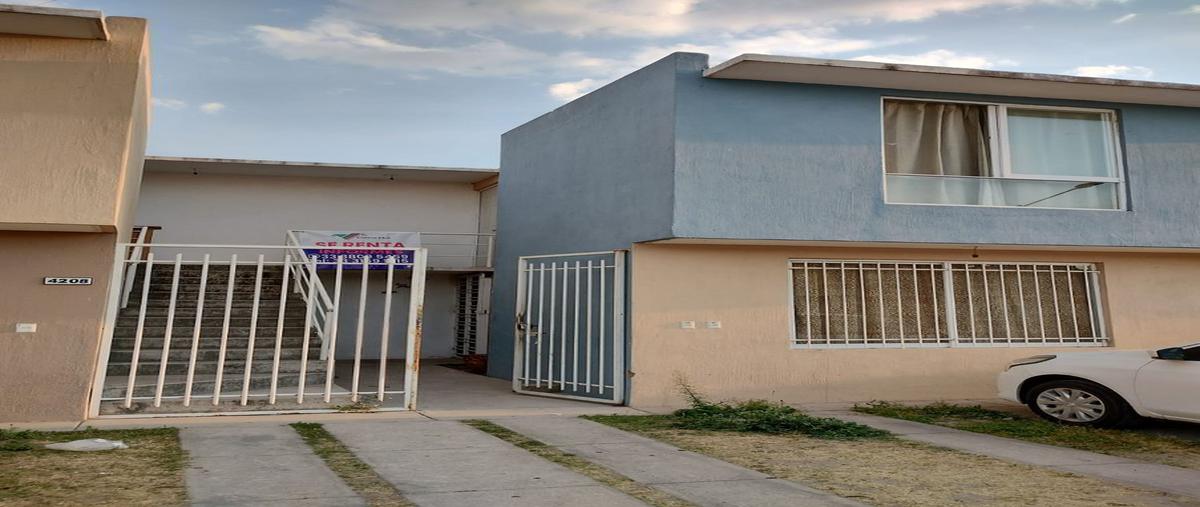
(352, 247)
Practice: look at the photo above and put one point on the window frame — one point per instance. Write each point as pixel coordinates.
(1096, 293)
(1001, 155)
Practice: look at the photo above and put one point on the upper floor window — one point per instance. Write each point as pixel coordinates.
(975, 154)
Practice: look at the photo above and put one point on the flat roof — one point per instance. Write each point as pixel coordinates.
(316, 169)
(792, 69)
(52, 22)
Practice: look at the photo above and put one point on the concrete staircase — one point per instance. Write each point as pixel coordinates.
(208, 353)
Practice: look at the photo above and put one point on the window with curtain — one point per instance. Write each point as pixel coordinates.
(973, 154)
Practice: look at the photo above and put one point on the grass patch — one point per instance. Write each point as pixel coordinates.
(598, 473)
(1125, 443)
(149, 472)
(358, 475)
(755, 416)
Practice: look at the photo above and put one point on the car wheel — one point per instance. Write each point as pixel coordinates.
(1079, 403)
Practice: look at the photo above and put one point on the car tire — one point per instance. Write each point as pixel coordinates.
(1080, 403)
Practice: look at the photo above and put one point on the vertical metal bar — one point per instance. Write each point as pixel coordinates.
(618, 326)
(528, 318)
(216, 399)
(166, 349)
(862, 296)
(302, 381)
(521, 327)
(588, 359)
(1071, 292)
(917, 304)
(575, 339)
(541, 309)
(112, 306)
(553, 299)
(845, 305)
(899, 304)
(253, 331)
(807, 309)
(879, 291)
(1054, 291)
(987, 303)
(141, 327)
(970, 298)
(825, 292)
(1004, 305)
(279, 322)
(951, 303)
(600, 352)
(333, 330)
(360, 325)
(191, 372)
(933, 291)
(416, 318)
(1021, 298)
(562, 335)
(387, 325)
(1037, 286)
(491, 249)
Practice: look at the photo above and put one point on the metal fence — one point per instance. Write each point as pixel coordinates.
(882, 304)
(188, 330)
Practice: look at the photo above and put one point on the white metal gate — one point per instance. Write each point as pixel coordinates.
(570, 326)
(208, 329)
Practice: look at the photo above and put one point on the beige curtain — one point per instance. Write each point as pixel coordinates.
(936, 138)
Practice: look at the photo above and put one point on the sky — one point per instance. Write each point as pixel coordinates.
(437, 82)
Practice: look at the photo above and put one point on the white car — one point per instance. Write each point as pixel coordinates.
(1110, 388)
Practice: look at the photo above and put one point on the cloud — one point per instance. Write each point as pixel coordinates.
(639, 18)
(212, 107)
(1113, 71)
(1124, 18)
(571, 90)
(940, 58)
(1195, 9)
(166, 103)
(349, 42)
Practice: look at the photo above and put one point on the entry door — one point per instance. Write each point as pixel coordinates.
(472, 305)
(570, 326)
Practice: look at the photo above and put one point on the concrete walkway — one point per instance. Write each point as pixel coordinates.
(446, 463)
(258, 464)
(693, 477)
(1150, 476)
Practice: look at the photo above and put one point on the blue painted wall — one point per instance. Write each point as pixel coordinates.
(592, 175)
(667, 153)
(760, 160)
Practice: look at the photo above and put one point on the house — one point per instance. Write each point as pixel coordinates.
(832, 231)
(73, 117)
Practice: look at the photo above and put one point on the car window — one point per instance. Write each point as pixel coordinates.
(1192, 353)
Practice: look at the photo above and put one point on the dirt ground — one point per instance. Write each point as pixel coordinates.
(890, 472)
(149, 472)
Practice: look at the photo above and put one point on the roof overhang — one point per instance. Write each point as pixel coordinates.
(790, 69)
(52, 22)
(190, 165)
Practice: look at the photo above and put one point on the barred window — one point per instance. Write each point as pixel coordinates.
(886, 304)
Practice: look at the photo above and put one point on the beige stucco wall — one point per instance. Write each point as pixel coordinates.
(72, 115)
(258, 210)
(1151, 302)
(73, 119)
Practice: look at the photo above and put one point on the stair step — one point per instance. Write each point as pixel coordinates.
(217, 321)
(264, 351)
(210, 367)
(202, 385)
(211, 342)
(213, 330)
(210, 311)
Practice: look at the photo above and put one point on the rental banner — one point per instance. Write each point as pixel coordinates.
(327, 246)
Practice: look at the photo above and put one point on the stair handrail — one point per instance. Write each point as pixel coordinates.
(134, 255)
(304, 274)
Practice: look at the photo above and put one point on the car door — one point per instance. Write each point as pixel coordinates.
(1169, 386)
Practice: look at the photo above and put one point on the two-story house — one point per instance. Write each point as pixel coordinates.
(817, 230)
